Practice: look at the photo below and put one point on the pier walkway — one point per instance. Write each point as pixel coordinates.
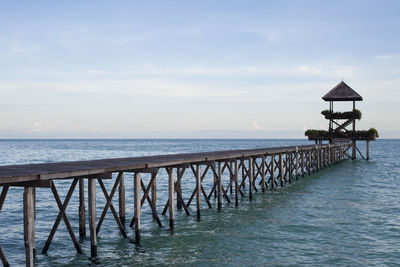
(229, 171)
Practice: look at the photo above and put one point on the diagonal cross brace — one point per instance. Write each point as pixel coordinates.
(202, 189)
(215, 185)
(62, 215)
(110, 205)
(178, 192)
(149, 200)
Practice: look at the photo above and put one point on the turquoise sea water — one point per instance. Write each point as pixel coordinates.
(346, 215)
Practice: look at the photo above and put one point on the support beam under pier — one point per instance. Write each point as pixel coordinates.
(92, 216)
(29, 224)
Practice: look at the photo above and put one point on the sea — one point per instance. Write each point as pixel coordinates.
(344, 215)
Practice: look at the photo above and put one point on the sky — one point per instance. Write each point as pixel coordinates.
(194, 69)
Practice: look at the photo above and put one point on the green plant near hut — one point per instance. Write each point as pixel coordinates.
(342, 115)
(314, 134)
(373, 131)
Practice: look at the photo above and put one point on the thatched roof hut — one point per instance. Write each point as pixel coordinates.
(342, 92)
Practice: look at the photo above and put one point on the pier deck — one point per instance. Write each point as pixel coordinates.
(273, 167)
(57, 170)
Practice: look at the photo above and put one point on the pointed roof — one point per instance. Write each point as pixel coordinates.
(342, 92)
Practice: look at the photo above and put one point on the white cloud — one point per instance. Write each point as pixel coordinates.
(255, 125)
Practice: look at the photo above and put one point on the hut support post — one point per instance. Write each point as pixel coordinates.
(29, 224)
(82, 212)
(367, 150)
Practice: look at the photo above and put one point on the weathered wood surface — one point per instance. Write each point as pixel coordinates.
(47, 171)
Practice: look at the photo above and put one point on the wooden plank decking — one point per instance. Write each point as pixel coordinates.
(46, 171)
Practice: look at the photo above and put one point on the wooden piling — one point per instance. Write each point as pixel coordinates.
(154, 192)
(137, 205)
(281, 169)
(329, 155)
(219, 186)
(92, 216)
(297, 162)
(178, 190)
(121, 199)
(251, 177)
(354, 150)
(367, 150)
(2, 199)
(263, 173)
(82, 212)
(198, 193)
(236, 174)
(290, 159)
(171, 194)
(29, 224)
(272, 171)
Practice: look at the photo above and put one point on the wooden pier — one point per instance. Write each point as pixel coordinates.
(253, 169)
